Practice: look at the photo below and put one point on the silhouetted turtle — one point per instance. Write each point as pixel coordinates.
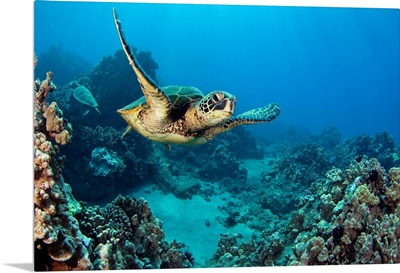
(182, 114)
(84, 96)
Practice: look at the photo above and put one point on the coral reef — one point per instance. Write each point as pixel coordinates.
(329, 138)
(296, 215)
(104, 162)
(111, 76)
(291, 174)
(351, 217)
(382, 147)
(126, 235)
(233, 251)
(217, 160)
(68, 235)
(135, 152)
(56, 125)
(57, 237)
(220, 160)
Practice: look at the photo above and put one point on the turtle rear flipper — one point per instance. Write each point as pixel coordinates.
(98, 111)
(155, 97)
(259, 115)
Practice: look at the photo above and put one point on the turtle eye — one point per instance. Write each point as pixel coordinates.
(215, 98)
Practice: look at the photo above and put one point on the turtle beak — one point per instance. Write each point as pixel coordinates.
(227, 105)
(230, 105)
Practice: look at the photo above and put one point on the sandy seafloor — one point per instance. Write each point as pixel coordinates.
(184, 219)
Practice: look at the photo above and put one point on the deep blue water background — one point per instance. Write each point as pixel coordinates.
(325, 66)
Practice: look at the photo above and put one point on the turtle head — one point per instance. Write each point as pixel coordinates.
(217, 107)
(213, 109)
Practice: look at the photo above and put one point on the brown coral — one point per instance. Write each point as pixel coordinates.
(56, 231)
(53, 122)
(354, 219)
(63, 137)
(46, 87)
(63, 249)
(393, 192)
(365, 196)
(56, 125)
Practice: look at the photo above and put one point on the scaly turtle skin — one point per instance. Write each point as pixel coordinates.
(182, 114)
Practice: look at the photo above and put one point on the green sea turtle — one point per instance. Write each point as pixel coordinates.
(182, 114)
(83, 96)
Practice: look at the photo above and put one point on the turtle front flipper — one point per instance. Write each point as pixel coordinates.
(155, 97)
(259, 115)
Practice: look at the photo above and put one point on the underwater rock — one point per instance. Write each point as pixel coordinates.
(219, 159)
(382, 147)
(328, 139)
(135, 152)
(105, 136)
(183, 187)
(291, 174)
(104, 162)
(222, 163)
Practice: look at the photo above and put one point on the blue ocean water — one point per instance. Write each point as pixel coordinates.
(325, 66)
(333, 71)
